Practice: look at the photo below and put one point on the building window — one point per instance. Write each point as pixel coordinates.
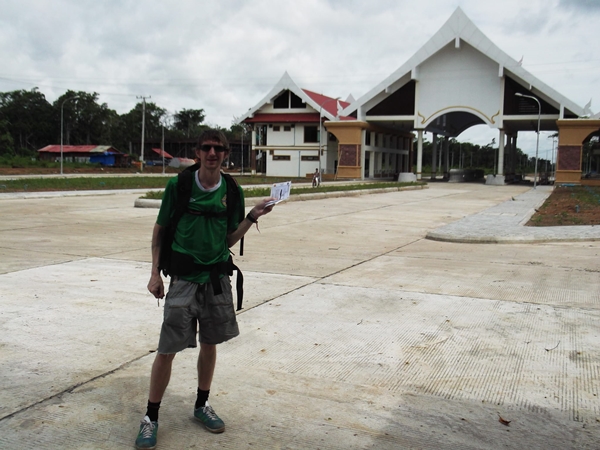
(310, 158)
(261, 135)
(367, 138)
(276, 128)
(296, 101)
(311, 134)
(283, 101)
(287, 100)
(281, 157)
(287, 128)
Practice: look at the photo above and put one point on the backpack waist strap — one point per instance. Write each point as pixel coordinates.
(183, 265)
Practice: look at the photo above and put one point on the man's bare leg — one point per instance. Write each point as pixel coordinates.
(207, 360)
(160, 376)
(206, 368)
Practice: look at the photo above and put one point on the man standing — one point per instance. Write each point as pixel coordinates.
(200, 290)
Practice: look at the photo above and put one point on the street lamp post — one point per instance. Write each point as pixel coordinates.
(61, 131)
(537, 143)
(321, 127)
(243, 131)
(553, 163)
(164, 121)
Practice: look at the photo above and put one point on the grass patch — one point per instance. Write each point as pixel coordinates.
(266, 191)
(89, 183)
(81, 184)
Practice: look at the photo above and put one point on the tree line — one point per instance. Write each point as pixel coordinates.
(28, 122)
(466, 155)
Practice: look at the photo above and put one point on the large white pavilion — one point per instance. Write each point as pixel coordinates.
(458, 79)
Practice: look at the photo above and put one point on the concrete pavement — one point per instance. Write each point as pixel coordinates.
(357, 332)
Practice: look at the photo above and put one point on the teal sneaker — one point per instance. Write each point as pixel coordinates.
(146, 438)
(209, 418)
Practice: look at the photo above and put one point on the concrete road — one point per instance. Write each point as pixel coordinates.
(357, 331)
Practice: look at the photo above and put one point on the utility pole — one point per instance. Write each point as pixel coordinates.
(143, 129)
(162, 147)
(243, 131)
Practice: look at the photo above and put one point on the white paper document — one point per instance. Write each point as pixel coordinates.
(280, 191)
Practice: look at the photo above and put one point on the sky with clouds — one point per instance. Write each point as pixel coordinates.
(225, 55)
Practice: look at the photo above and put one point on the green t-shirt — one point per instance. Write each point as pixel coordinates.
(203, 238)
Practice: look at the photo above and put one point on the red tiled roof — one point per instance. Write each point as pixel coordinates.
(79, 149)
(160, 152)
(328, 103)
(284, 118)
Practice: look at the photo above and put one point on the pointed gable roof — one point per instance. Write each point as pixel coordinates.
(314, 100)
(460, 27)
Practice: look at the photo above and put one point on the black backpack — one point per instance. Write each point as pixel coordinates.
(173, 263)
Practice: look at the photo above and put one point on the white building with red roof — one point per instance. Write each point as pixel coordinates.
(286, 131)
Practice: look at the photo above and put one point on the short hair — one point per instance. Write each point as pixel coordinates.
(213, 135)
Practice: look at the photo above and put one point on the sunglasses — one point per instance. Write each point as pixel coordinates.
(207, 147)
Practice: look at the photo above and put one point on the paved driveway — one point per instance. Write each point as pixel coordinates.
(357, 332)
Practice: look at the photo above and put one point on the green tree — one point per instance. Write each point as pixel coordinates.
(189, 121)
(129, 129)
(6, 140)
(85, 121)
(29, 119)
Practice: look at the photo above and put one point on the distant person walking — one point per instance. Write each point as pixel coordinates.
(316, 181)
(199, 296)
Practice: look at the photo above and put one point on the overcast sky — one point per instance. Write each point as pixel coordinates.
(225, 55)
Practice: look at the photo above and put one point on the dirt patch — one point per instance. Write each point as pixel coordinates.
(569, 205)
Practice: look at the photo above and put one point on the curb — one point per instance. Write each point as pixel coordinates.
(480, 229)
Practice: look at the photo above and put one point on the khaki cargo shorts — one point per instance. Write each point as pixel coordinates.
(189, 305)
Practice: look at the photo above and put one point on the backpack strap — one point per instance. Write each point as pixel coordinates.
(184, 190)
(233, 203)
(185, 180)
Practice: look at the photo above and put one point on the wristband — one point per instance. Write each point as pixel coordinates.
(251, 218)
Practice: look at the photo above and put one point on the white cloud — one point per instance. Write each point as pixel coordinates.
(224, 56)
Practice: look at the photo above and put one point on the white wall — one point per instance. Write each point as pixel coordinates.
(284, 138)
(294, 167)
(463, 78)
(295, 137)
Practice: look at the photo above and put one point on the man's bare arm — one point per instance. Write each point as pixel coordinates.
(256, 212)
(156, 285)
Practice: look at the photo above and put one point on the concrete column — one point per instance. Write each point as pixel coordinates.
(514, 152)
(500, 168)
(252, 151)
(372, 162)
(507, 152)
(446, 147)
(419, 153)
(434, 157)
